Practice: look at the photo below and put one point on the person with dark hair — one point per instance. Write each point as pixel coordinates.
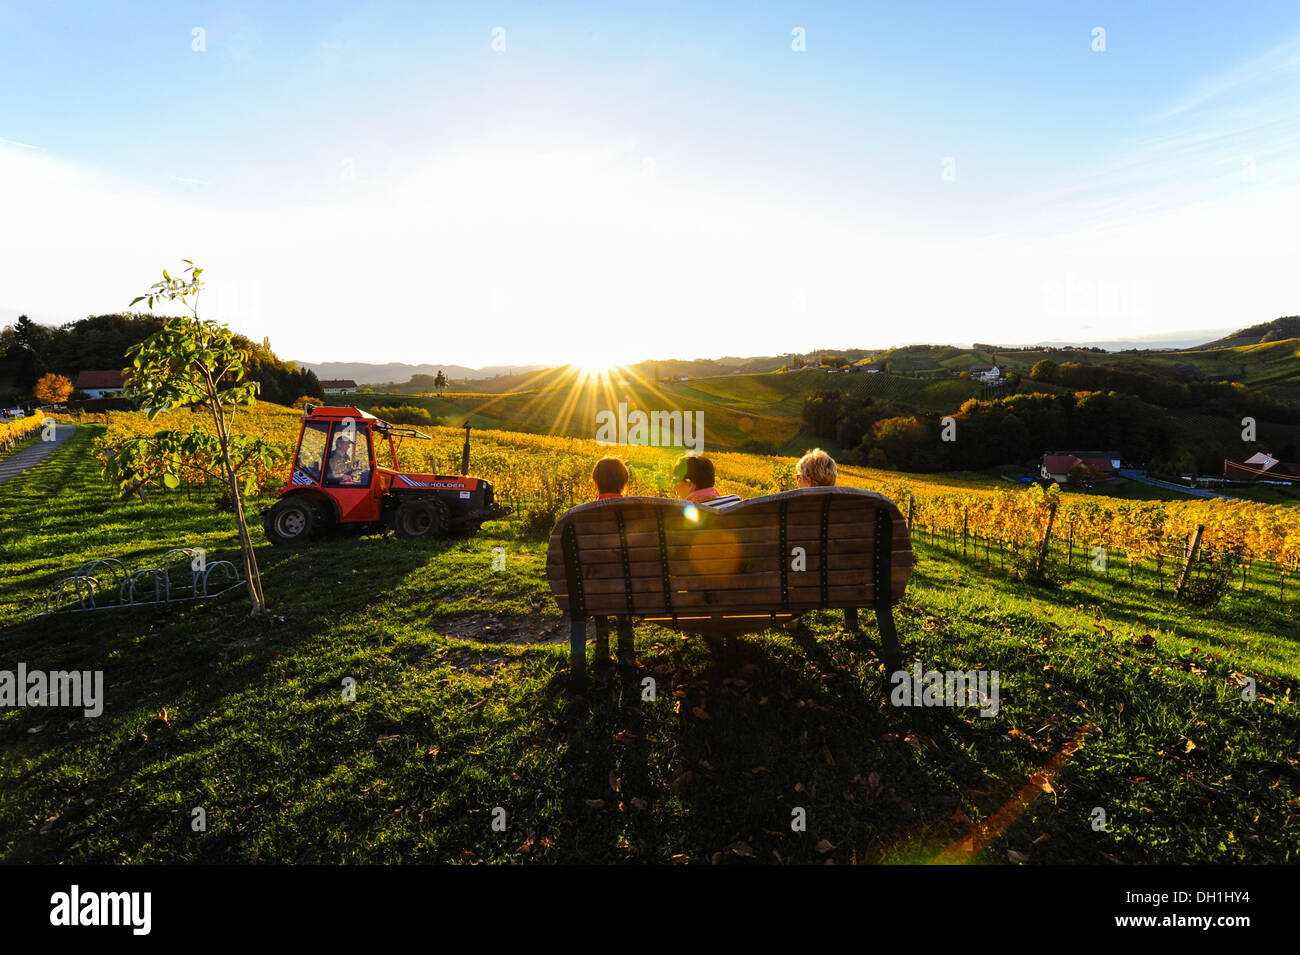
(694, 476)
(610, 477)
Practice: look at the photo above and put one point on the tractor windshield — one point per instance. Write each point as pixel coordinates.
(349, 462)
(311, 453)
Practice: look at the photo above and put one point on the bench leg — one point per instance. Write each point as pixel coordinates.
(889, 641)
(602, 661)
(578, 656)
(851, 618)
(626, 644)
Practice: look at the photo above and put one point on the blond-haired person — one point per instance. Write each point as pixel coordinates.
(816, 469)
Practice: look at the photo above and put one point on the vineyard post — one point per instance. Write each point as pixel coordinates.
(1047, 536)
(964, 514)
(910, 501)
(546, 483)
(1069, 560)
(1192, 548)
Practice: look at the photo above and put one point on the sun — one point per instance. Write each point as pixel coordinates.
(585, 371)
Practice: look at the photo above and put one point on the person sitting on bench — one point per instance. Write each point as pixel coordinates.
(610, 477)
(816, 469)
(694, 475)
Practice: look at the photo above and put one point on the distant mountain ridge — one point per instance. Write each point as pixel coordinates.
(516, 376)
(367, 373)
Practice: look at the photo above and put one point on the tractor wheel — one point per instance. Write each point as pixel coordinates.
(293, 520)
(421, 519)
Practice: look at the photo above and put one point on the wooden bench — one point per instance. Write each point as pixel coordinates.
(739, 569)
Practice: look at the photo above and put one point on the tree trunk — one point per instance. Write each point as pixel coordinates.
(254, 578)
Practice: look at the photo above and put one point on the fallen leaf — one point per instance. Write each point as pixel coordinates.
(1190, 746)
(742, 849)
(824, 847)
(826, 752)
(386, 737)
(614, 782)
(1017, 857)
(680, 858)
(596, 803)
(49, 824)
(640, 803)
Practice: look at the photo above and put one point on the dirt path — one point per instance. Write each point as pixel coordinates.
(21, 461)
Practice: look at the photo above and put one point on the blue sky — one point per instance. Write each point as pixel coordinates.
(650, 180)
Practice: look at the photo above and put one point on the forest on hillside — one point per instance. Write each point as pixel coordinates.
(29, 350)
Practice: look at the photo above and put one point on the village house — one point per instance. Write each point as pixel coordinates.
(99, 384)
(1261, 468)
(339, 386)
(985, 373)
(1058, 464)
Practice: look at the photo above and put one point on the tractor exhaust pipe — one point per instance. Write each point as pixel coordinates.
(464, 453)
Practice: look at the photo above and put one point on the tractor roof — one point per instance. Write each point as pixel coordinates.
(336, 413)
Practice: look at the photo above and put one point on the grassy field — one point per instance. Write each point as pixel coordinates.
(459, 711)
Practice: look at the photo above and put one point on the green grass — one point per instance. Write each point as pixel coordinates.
(245, 717)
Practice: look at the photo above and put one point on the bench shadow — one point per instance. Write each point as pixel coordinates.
(781, 723)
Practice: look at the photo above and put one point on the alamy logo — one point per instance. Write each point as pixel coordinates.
(77, 688)
(659, 429)
(946, 688)
(103, 908)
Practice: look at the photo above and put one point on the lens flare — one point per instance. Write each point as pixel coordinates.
(691, 512)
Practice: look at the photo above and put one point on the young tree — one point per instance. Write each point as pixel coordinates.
(52, 389)
(194, 362)
(440, 383)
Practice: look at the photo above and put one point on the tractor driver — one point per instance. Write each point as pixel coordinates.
(344, 468)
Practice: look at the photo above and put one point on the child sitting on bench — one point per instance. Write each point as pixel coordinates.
(610, 477)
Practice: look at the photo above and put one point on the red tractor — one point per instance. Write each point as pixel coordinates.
(337, 486)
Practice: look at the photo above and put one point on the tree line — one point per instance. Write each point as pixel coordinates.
(30, 350)
(1020, 428)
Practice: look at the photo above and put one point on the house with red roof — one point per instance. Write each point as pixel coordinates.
(1058, 464)
(1261, 468)
(99, 384)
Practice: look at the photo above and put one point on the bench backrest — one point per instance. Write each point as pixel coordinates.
(643, 556)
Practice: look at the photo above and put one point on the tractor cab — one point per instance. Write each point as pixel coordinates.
(337, 484)
(338, 450)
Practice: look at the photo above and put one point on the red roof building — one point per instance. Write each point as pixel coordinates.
(99, 384)
(1057, 466)
(1261, 468)
(98, 379)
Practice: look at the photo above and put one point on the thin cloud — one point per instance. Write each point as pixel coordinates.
(11, 142)
(188, 180)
